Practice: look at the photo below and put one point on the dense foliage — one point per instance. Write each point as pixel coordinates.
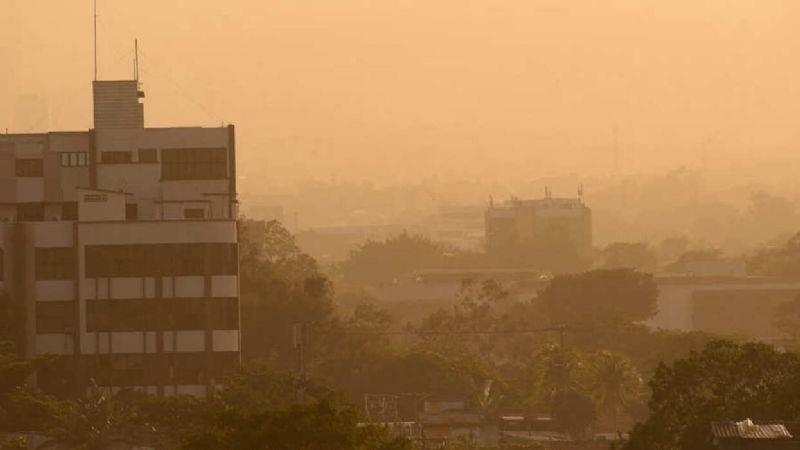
(726, 381)
(778, 261)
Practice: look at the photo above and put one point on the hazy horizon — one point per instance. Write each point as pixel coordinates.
(359, 90)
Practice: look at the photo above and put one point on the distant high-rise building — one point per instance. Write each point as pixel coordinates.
(118, 249)
(548, 233)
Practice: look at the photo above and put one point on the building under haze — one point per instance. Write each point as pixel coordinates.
(547, 233)
(119, 249)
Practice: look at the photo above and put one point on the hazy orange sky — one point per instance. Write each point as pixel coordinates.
(402, 90)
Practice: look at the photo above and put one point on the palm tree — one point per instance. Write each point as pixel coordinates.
(616, 383)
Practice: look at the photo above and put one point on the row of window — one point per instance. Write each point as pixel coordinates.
(177, 163)
(162, 314)
(55, 263)
(145, 260)
(142, 260)
(74, 159)
(34, 167)
(194, 163)
(140, 315)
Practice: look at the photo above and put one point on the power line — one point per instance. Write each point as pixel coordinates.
(458, 333)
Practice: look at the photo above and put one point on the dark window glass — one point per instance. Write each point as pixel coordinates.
(29, 167)
(224, 313)
(161, 259)
(148, 155)
(55, 263)
(188, 368)
(115, 157)
(222, 258)
(74, 159)
(191, 259)
(184, 314)
(30, 212)
(120, 315)
(69, 211)
(131, 211)
(194, 163)
(55, 317)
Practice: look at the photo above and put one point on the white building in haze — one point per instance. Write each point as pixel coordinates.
(119, 249)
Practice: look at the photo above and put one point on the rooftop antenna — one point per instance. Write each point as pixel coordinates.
(95, 39)
(136, 60)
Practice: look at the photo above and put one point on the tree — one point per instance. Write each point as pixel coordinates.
(694, 255)
(574, 412)
(100, 420)
(672, 247)
(787, 319)
(630, 255)
(600, 296)
(616, 384)
(21, 406)
(781, 261)
(726, 381)
(297, 427)
(281, 287)
(376, 262)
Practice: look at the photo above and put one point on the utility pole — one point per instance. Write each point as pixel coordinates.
(299, 334)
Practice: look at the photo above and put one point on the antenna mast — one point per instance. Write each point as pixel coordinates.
(136, 60)
(95, 39)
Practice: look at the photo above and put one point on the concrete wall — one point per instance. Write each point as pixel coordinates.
(143, 180)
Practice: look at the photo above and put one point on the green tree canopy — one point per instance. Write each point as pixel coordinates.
(376, 262)
(726, 381)
(780, 261)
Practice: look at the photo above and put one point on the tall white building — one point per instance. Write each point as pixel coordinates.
(119, 249)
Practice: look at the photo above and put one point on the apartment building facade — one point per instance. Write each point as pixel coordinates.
(119, 249)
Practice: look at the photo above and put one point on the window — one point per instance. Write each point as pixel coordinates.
(131, 211)
(74, 159)
(194, 163)
(115, 157)
(30, 212)
(188, 368)
(29, 167)
(148, 155)
(55, 317)
(184, 314)
(145, 260)
(56, 263)
(194, 213)
(222, 259)
(69, 211)
(120, 315)
(224, 313)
